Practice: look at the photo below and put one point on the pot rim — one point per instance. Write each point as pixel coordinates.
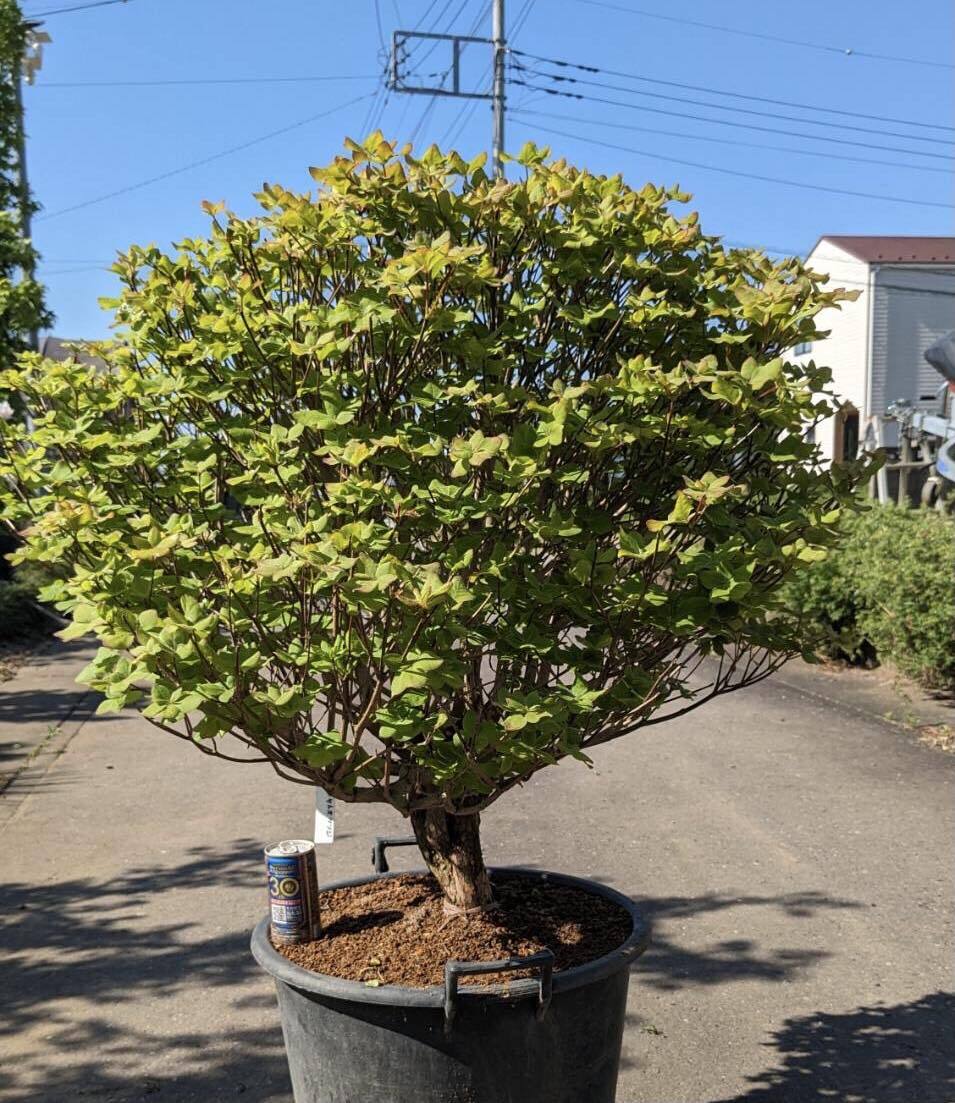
(321, 984)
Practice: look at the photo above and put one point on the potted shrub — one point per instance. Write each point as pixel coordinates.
(411, 488)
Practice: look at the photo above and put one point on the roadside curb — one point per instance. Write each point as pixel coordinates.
(903, 708)
(51, 697)
(21, 784)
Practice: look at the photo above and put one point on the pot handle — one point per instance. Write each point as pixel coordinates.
(378, 860)
(544, 961)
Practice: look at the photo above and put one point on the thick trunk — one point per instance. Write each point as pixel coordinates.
(451, 847)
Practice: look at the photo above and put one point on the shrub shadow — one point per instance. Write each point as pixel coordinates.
(898, 1053)
(89, 975)
(91, 990)
(668, 965)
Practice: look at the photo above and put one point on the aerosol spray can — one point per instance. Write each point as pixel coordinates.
(293, 891)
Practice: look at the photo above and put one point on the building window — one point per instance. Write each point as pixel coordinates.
(802, 348)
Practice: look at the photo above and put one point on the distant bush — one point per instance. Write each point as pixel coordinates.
(19, 616)
(889, 589)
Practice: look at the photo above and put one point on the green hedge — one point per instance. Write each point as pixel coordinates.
(890, 589)
(19, 616)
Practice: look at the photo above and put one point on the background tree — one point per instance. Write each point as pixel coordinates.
(418, 485)
(22, 308)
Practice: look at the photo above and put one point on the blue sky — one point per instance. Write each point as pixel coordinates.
(87, 139)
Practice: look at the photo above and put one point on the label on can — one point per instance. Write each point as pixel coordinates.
(293, 891)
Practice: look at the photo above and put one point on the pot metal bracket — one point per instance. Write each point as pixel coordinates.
(378, 860)
(544, 961)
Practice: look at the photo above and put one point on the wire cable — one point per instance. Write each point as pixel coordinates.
(749, 175)
(427, 12)
(77, 7)
(433, 29)
(724, 141)
(198, 80)
(464, 117)
(381, 30)
(203, 160)
(562, 63)
(469, 108)
(845, 51)
(740, 110)
(428, 109)
(730, 122)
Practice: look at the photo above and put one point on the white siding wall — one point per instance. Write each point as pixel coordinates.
(844, 350)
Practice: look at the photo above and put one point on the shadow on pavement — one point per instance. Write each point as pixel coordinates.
(42, 706)
(901, 1053)
(78, 952)
(669, 965)
(75, 952)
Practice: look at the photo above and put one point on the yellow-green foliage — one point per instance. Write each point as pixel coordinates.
(423, 482)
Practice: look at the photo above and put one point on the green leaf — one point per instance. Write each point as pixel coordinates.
(148, 619)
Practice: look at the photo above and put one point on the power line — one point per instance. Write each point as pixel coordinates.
(838, 280)
(381, 30)
(459, 121)
(205, 160)
(790, 251)
(77, 7)
(434, 26)
(749, 175)
(428, 108)
(365, 127)
(562, 63)
(380, 114)
(740, 110)
(198, 80)
(444, 74)
(845, 51)
(427, 12)
(911, 290)
(729, 122)
(52, 274)
(721, 140)
(522, 18)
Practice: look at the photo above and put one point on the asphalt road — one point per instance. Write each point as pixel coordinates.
(796, 859)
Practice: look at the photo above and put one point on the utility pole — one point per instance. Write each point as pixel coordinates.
(398, 81)
(500, 56)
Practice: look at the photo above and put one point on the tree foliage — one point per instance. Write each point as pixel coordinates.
(22, 309)
(423, 482)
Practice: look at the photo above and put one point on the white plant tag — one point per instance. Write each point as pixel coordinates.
(324, 817)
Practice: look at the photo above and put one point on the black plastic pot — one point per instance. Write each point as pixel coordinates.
(546, 1039)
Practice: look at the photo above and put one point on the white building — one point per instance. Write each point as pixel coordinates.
(875, 345)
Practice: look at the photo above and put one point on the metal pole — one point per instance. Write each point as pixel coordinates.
(500, 51)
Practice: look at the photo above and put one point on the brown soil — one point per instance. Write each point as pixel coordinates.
(394, 931)
(18, 652)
